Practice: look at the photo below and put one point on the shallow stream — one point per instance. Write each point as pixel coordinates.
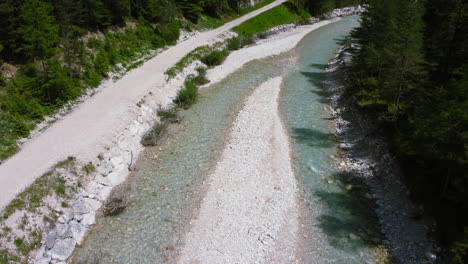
(169, 182)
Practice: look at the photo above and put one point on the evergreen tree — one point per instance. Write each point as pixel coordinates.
(38, 30)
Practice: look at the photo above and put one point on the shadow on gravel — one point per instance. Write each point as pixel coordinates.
(348, 218)
(313, 138)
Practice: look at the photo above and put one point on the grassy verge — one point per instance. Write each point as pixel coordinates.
(206, 22)
(276, 16)
(26, 219)
(185, 98)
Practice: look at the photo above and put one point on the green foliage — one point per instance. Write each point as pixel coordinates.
(89, 168)
(233, 43)
(459, 249)
(188, 95)
(187, 59)
(168, 114)
(200, 79)
(152, 137)
(216, 57)
(410, 73)
(38, 29)
(58, 61)
(18, 242)
(276, 16)
(32, 197)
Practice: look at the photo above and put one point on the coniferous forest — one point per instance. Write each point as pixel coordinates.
(409, 71)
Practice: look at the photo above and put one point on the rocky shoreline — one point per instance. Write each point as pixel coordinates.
(366, 154)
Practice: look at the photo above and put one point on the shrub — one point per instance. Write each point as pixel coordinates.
(216, 57)
(234, 43)
(88, 168)
(247, 40)
(116, 202)
(168, 114)
(154, 134)
(171, 32)
(262, 35)
(188, 95)
(18, 242)
(200, 79)
(459, 249)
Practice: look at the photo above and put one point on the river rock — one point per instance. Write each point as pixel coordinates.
(103, 180)
(63, 249)
(41, 257)
(80, 207)
(63, 231)
(50, 240)
(104, 193)
(89, 219)
(78, 231)
(105, 168)
(93, 204)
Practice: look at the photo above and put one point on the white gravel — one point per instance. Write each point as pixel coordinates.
(249, 214)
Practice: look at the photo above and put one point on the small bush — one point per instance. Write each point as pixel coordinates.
(116, 202)
(247, 40)
(154, 134)
(18, 242)
(216, 57)
(234, 43)
(188, 95)
(134, 65)
(262, 35)
(200, 79)
(168, 114)
(89, 168)
(60, 189)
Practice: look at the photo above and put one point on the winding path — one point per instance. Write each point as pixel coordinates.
(96, 122)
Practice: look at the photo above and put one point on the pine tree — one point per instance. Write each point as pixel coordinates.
(38, 30)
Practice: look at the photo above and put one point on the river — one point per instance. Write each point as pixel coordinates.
(338, 226)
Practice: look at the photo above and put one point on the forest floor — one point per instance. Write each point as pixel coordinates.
(95, 124)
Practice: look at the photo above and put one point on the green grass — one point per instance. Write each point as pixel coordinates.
(276, 16)
(188, 95)
(31, 198)
(207, 22)
(152, 137)
(195, 54)
(255, 7)
(168, 114)
(89, 168)
(216, 57)
(135, 65)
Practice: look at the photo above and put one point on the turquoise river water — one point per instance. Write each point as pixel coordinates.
(169, 183)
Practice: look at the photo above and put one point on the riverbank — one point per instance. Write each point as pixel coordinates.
(366, 154)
